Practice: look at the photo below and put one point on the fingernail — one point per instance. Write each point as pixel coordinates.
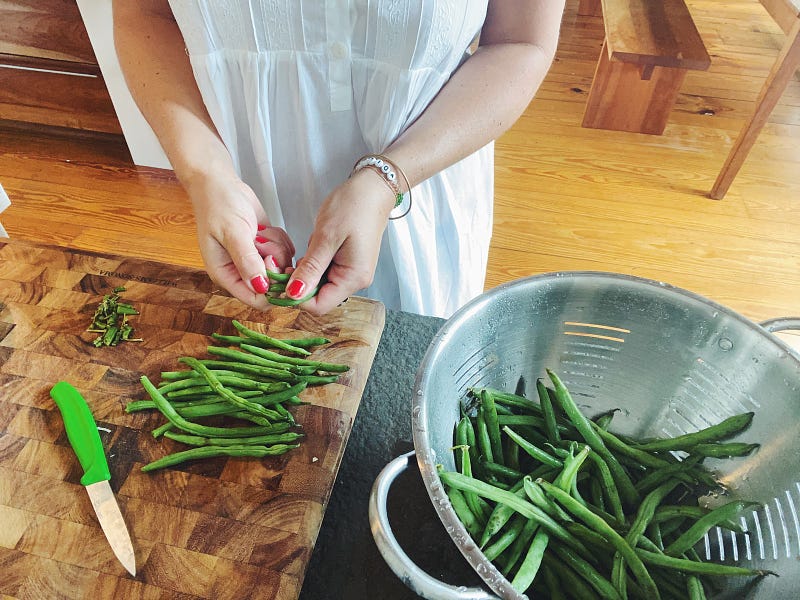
(259, 284)
(272, 265)
(295, 289)
(261, 227)
(261, 239)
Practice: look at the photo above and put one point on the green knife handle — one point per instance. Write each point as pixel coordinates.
(82, 432)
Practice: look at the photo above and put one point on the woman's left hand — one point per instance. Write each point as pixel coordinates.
(345, 243)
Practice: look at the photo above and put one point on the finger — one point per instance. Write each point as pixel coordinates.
(310, 269)
(275, 242)
(329, 296)
(227, 276)
(248, 262)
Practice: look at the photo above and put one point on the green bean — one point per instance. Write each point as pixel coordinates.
(696, 532)
(643, 517)
(529, 420)
(513, 501)
(177, 421)
(292, 301)
(278, 277)
(318, 379)
(550, 425)
(723, 450)
(552, 583)
(537, 496)
(608, 486)
(463, 512)
(248, 357)
(259, 440)
(566, 479)
(482, 436)
(654, 533)
(268, 340)
(477, 505)
(279, 373)
(603, 421)
(291, 360)
(532, 450)
(569, 579)
(507, 537)
(492, 428)
(225, 408)
(510, 399)
(217, 386)
(511, 454)
(591, 538)
(723, 430)
(638, 455)
(460, 442)
(531, 563)
(500, 515)
(666, 513)
(661, 474)
(583, 568)
(586, 429)
(309, 342)
(501, 470)
(520, 545)
(212, 451)
(696, 567)
(694, 587)
(594, 522)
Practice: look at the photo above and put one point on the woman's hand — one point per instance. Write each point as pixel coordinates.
(237, 242)
(345, 243)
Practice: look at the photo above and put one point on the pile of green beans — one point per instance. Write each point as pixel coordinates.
(254, 378)
(558, 502)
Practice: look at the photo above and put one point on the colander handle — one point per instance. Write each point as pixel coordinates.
(781, 324)
(415, 578)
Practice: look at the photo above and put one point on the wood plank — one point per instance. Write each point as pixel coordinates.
(45, 29)
(654, 33)
(59, 99)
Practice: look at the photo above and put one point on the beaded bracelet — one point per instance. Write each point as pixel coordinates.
(389, 171)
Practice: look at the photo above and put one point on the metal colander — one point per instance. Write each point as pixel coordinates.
(674, 362)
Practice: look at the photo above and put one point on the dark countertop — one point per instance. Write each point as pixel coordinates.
(346, 562)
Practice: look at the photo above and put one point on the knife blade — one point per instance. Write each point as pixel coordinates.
(85, 441)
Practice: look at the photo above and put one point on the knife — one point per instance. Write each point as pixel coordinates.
(85, 441)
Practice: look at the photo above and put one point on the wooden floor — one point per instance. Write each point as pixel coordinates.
(567, 198)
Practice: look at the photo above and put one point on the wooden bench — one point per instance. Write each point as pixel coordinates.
(649, 46)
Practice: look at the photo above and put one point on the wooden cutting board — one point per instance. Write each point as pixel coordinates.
(223, 528)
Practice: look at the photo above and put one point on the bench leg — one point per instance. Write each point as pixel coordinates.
(620, 99)
(590, 8)
(786, 64)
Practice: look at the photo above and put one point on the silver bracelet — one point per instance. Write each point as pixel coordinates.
(389, 171)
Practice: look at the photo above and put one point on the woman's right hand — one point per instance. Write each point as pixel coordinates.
(237, 242)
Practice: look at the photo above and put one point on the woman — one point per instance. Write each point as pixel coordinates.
(264, 108)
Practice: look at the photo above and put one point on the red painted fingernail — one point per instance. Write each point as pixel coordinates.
(261, 227)
(261, 240)
(271, 264)
(295, 289)
(259, 284)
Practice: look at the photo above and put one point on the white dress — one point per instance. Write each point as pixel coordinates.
(300, 89)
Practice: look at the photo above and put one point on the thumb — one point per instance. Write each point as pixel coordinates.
(310, 269)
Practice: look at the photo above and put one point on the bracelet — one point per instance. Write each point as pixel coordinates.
(388, 170)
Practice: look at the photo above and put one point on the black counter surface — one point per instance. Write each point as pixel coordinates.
(346, 562)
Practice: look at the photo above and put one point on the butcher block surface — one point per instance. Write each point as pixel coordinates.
(220, 528)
